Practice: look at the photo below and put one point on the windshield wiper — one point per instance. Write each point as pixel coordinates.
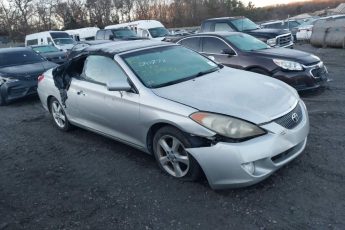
(199, 74)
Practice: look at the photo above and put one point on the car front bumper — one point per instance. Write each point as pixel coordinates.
(224, 163)
(313, 77)
(10, 91)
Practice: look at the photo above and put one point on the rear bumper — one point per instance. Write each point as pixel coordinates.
(224, 163)
(11, 91)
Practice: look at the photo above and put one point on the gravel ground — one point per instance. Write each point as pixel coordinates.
(80, 180)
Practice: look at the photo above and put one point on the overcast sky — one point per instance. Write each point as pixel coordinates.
(270, 2)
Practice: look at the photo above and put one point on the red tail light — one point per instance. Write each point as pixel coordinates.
(40, 78)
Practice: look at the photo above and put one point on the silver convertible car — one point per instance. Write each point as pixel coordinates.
(194, 115)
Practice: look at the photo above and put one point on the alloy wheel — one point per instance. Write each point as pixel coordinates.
(172, 156)
(58, 114)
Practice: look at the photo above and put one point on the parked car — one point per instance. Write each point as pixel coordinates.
(299, 69)
(192, 114)
(123, 33)
(51, 53)
(59, 39)
(305, 30)
(19, 70)
(151, 29)
(290, 25)
(83, 34)
(273, 37)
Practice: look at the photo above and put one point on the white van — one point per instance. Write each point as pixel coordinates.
(145, 28)
(83, 34)
(59, 39)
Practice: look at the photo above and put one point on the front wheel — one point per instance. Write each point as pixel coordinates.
(59, 115)
(169, 147)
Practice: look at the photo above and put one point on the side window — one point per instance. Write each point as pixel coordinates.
(102, 69)
(191, 43)
(213, 45)
(49, 41)
(107, 35)
(32, 42)
(100, 35)
(222, 26)
(207, 27)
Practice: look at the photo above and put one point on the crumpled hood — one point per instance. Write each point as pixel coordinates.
(249, 96)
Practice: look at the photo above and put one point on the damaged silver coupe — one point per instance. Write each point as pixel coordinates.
(194, 115)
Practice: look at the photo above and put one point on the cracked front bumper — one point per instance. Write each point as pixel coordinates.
(224, 163)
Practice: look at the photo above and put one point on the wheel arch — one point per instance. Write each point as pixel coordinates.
(195, 140)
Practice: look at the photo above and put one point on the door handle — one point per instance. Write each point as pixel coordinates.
(81, 92)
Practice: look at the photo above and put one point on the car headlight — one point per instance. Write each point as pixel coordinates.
(227, 126)
(272, 42)
(288, 65)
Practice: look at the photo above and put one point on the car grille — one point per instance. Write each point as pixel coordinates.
(319, 73)
(284, 40)
(292, 119)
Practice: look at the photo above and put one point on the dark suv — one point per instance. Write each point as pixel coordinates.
(299, 69)
(273, 37)
(116, 34)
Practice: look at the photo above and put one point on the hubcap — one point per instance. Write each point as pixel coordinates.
(58, 114)
(172, 156)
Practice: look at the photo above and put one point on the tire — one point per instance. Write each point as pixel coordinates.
(260, 71)
(59, 115)
(175, 161)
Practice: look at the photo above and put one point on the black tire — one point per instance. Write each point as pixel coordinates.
(260, 71)
(193, 172)
(65, 126)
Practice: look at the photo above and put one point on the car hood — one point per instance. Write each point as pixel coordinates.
(54, 54)
(28, 71)
(289, 54)
(249, 96)
(268, 33)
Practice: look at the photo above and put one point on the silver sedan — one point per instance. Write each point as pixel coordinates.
(193, 115)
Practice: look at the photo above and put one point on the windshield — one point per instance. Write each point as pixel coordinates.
(158, 32)
(246, 42)
(243, 24)
(123, 33)
(19, 58)
(45, 49)
(163, 66)
(64, 41)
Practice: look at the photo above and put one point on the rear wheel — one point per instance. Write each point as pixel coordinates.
(169, 146)
(59, 116)
(260, 71)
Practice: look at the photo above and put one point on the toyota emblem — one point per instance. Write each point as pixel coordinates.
(295, 117)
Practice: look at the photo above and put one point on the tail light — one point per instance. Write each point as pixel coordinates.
(40, 78)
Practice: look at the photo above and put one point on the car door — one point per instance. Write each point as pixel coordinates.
(214, 47)
(113, 113)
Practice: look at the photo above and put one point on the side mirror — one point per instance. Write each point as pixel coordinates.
(229, 52)
(119, 85)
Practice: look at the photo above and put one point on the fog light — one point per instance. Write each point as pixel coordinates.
(249, 167)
